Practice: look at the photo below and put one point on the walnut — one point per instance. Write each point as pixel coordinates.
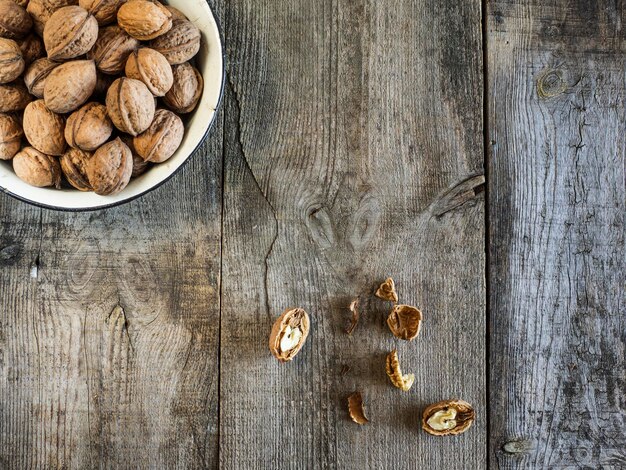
(356, 409)
(140, 166)
(105, 11)
(10, 136)
(130, 105)
(449, 417)
(44, 129)
(11, 61)
(74, 166)
(161, 139)
(13, 97)
(36, 75)
(152, 69)
(112, 50)
(176, 13)
(70, 85)
(42, 10)
(392, 367)
(89, 127)
(103, 82)
(289, 334)
(144, 19)
(387, 291)
(36, 168)
(32, 48)
(179, 44)
(15, 22)
(184, 95)
(404, 322)
(110, 168)
(70, 32)
(22, 3)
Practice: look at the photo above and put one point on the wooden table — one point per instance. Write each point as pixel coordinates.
(354, 142)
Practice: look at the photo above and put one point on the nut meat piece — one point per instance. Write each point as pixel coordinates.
(74, 166)
(37, 169)
(180, 44)
(448, 417)
(186, 91)
(387, 291)
(392, 366)
(159, 142)
(110, 168)
(15, 22)
(89, 127)
(11, 61)
(405, 321)
(44, 129)
(289, 334)
(152, 69)
(14, 97)
(112, 49)
(10, 136)
(356, 409)
(144, 19)
(70, 32)
(36, 75)
(70, 85)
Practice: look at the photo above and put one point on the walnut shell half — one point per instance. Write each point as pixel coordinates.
(405, 322)
(448, 418)
(70, 85)
(70, 32)
(37, 169)
(356, 408)
(392, 367)
(89, 127)
(289, 334)
(110, 168)
(74, 166)
(44, 129)
(184, 95)
(144, 19)
(15, 22)
(10, 136)
(159, 142)
(11, 61)
(180, 44)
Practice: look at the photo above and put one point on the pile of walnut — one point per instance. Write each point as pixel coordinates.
(445, 418)
(81, 85)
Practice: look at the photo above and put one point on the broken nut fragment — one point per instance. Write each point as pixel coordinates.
(448, 418)
(355, 316)
(289, 334)
(387, 291)
(392, 366)
(355, 408)
(405, 321)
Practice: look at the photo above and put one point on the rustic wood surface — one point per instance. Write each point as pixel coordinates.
(349, 147)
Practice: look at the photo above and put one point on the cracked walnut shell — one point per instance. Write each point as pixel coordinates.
(15, 22)
(152, 69)
(69, 33)
(356, 409)
(289, 334)
(130, 105)
(74, 166)
(144, 19)
(449, 417)
(387, 291)
(89, 127)
(11, 61)
(37, 169)
(405, 322)
(392, 367)
(159, 142)
(10, 136)
(110, 168)
(44, 129)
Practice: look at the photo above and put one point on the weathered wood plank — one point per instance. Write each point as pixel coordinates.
(109, 329)
(557, 114)
(353, 151)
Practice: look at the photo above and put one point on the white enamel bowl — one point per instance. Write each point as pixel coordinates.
(210, 62)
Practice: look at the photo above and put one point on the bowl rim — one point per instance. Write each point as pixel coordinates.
(171, 175)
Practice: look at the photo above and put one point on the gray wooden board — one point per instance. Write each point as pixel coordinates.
(557, 115)
(353, 151)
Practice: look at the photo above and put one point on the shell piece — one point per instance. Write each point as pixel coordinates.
(32, 48)
(105, 11)
(42, 10)
(10, 136)
(152, 69)
(110, 168)
(392, 367)
(11, 61)
(387, 291)
(448, 418)
(405, 322)
(70, 32)
(112, 49)
(144, 19)
(356, 408)
(36, 75)
(15, 22)
(159, 142)
(354, 319)
(70, 85)
(89, 127)
(74, 166)
(179, 44)
(37, 169)
(130, 105)
(289, 334)
(14, 97)
(185, 94)
(44, 129)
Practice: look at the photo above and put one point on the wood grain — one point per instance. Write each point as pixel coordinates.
(557, 116)
(353, 151)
